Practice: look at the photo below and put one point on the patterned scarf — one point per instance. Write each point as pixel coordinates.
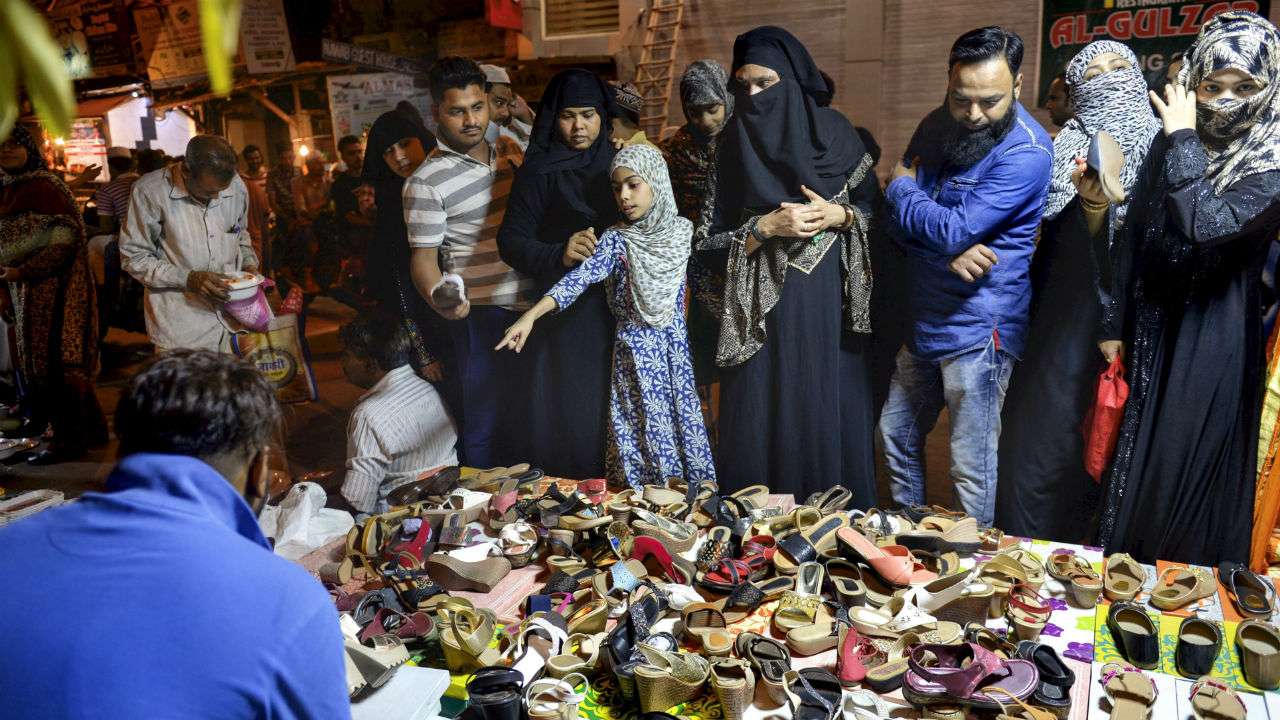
(705, 82)
(657, 244)
(1115, 102)
(1241, 135)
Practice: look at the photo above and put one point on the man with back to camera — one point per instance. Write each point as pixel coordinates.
(175, 605)
(185, 237)
(965, 206)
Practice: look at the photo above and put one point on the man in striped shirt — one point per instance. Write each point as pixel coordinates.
(400, 428)
(453, 207)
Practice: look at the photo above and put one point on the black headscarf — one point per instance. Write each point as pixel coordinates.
(35, 158)
(389, 253)
(581, 170)
(782, 137)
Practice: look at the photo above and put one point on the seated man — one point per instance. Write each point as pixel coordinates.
(175, 604)
(400, 427)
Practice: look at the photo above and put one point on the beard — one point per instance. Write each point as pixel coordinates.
(962, 147)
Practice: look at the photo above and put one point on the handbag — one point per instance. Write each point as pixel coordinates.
(1102, 424)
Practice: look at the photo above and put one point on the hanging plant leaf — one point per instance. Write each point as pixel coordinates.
(220, 35)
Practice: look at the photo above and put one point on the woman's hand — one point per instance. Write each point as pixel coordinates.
(1088, 187)
(1111, 350)
(833, 213)
(1177, 110)
(800, 220)
(517, 335)
(580, 247)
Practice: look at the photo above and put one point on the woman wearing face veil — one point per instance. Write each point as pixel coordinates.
(1205, 209)
(792, 208)
(1045, 491)
(560, 204)
(397, 144)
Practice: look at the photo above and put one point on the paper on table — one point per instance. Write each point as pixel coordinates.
(413, 693)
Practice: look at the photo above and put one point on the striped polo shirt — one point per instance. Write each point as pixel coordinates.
(113, 198)
(454, 202)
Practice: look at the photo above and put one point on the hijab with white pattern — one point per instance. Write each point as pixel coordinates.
(658, 243)
(1116, 102)
(1241, 135)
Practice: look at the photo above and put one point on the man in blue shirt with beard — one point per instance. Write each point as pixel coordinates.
(966, 211)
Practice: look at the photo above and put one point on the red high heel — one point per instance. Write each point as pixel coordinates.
(644, 547)
(854, 648)
(412, 554)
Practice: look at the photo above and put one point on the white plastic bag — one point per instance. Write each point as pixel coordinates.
(301, 523)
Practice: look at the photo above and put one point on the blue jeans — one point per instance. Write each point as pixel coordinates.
(486, 384)
(972, 385)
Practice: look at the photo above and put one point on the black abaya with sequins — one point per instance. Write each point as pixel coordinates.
(1182, 481)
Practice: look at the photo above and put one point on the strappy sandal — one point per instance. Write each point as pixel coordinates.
(581, 654)
(1027, 612)
(1001, 572)
(465, 638)
(1180, 586)
(1078, 575)
(939, 534)
(618, 581)
(987, 638)
(769, 659)
(677, 536)
(1131, 692)
(731, 572)
(832, 500)
(1213, 700)
(887, 676)
(813, 694)
(1032, 563)
(519, 543)
(556, 698)
(1025, 711)
(964, 675)
(748, 597)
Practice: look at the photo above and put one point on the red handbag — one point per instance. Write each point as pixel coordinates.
(1102, 424)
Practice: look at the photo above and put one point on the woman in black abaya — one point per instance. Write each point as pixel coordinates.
(1045, 491)
(558, 193)
(794, 194)
(1205, 211)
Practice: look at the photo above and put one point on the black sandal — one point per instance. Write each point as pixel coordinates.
(1251, 595)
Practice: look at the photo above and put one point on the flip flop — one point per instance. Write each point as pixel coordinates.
(1251, 595)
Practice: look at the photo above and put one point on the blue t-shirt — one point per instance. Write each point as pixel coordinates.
(160, 598)
(997, 202)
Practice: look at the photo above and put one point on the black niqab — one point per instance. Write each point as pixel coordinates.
(781, 137)
(580, 171)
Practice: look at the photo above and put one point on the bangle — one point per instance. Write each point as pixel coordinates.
(754, 228)
(848, 217)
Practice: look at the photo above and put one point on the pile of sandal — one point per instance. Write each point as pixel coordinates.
(643, 588)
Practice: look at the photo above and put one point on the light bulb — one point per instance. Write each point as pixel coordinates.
(58, 141)
(303, 150)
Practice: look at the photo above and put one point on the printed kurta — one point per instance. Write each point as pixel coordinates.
(655, 420)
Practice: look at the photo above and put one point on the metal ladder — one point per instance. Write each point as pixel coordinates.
(655, 70)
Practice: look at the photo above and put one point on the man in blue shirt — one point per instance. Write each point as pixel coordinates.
(966, 211)
(160, 598)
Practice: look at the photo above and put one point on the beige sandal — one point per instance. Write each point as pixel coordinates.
(1212, 700)
(1122, 577)
(1131, 692)
(1180, 586)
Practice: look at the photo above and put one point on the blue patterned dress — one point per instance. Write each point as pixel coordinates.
(655, 419)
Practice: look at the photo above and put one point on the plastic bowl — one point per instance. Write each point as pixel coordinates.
(244, 286)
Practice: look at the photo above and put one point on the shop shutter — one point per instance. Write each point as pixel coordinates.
(562, 18)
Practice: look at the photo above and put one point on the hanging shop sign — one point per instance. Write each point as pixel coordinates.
(355, 101)
(348, 54)
(170, 37)
(87, 145)
(1158, 31)
(94, 36)
(264, 37)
